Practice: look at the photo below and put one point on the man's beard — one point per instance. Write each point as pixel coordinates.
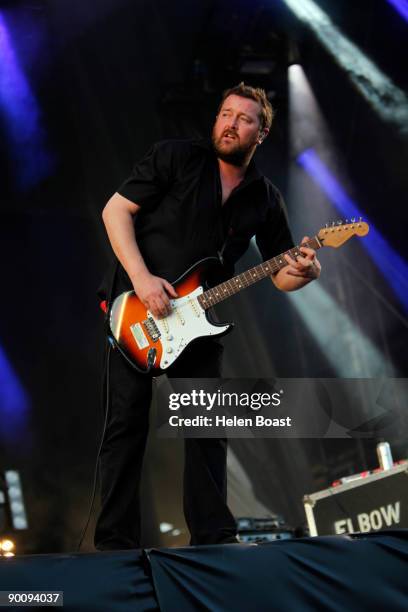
(236, 156)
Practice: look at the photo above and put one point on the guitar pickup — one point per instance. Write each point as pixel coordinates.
(151, 328)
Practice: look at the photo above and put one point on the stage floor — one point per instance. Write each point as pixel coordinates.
(335, 573)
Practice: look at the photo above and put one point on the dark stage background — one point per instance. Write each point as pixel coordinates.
(86, 88)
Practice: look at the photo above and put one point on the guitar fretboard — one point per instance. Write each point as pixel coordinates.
(249, 277)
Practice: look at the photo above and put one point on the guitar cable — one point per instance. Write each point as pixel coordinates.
(95, 479)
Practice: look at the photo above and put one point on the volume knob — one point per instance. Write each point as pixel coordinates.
(169, 349)
(169, 337)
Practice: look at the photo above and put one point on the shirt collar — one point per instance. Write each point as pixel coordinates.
(252, 173)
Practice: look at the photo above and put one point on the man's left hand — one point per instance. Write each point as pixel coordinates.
(308, 266)
(300, 271)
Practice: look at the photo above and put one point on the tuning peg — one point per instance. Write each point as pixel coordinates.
(353, 219)
(339, 222)
(333, 223)
(347, 220)
(360, 219)
(327, 225)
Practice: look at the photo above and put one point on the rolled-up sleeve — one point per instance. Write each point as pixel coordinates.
(151, 177)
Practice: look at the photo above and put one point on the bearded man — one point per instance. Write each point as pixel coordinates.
(184, 201)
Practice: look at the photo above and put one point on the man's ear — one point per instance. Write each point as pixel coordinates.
(263, 134)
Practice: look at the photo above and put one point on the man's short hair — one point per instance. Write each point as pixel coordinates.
(253, 93)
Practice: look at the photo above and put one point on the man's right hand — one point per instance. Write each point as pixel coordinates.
(154, 293)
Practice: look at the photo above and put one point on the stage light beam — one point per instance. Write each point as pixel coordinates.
(389, 102)
(392, 266)
(14, 403)
(22, 118)
(351, 353)
(401, 6)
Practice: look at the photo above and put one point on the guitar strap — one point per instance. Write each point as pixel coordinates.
(113, 282)
(109, 301)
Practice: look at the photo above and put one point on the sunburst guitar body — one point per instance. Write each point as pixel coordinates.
(150, 343)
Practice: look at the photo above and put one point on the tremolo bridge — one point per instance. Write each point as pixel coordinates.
(151, 328)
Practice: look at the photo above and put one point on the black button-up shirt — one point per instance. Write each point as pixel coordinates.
(182, 219)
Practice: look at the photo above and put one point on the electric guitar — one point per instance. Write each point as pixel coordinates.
(153, 344)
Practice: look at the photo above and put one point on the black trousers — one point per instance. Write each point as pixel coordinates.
(205, 484)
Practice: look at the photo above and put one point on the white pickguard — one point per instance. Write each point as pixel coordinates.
(186, 322)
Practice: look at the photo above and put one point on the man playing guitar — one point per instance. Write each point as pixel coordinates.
(185, 201)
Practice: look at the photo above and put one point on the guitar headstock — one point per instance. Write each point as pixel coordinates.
(338, 233)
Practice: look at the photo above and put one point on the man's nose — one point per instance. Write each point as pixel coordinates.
(232, 123)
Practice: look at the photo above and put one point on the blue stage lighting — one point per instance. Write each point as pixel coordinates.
(391, 264)
(14, 403)
(401, 6)
(22, 118)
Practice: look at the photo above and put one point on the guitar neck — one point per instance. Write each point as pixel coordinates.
(241, 281)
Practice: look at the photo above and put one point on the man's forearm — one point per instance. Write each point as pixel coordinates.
(121, 233)
(154, 292)
(285, 282)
